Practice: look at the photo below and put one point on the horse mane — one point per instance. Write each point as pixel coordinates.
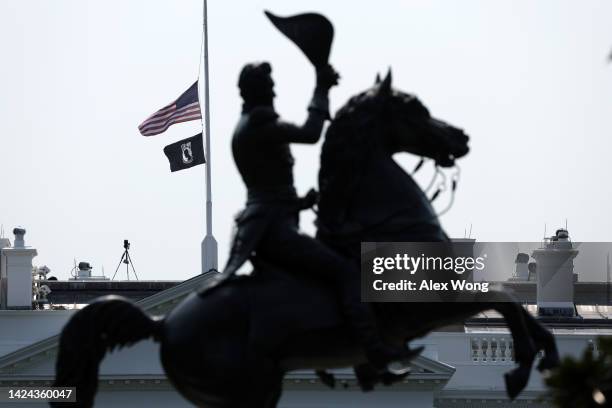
(348, 143)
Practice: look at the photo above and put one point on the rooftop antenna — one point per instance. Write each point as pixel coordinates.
(1, 230)
(608, 279)
(470, 234)
(127, 260)
(464, 233)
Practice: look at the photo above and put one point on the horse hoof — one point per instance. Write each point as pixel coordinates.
(390, 379)
(516, 380)
(367, 376)
(326, 378)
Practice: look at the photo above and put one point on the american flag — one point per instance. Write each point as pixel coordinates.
(185, 108)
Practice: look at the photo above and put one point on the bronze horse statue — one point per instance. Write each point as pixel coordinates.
(230, 344)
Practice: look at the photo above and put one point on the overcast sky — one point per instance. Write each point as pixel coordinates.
(527, 80)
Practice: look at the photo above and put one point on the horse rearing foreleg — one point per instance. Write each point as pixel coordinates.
(524, 347)
(544, 341)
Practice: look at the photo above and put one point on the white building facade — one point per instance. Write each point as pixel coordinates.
(457, 369)
(461, 366)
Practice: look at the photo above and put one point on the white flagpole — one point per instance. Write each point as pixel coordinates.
(209, 244)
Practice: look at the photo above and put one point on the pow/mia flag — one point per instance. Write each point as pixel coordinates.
(185, 153)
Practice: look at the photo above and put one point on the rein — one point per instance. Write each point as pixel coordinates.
(442, 187)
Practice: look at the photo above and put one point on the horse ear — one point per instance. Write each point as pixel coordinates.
(384, 88)
(377, 80)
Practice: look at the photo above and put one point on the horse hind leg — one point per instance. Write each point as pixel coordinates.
(274, 394)
(264, 379)
(267, 395)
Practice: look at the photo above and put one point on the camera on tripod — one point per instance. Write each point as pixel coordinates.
(127, 260)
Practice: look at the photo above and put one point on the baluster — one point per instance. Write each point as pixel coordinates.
(485, 347)
(493, 349)
(475, 348)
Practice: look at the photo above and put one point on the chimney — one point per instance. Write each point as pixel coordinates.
(19, 241)
(533, 271)
(555, 276)
(16, 273)
(521, 270)
(84, 271)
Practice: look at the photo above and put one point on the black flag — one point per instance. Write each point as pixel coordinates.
(185, 153)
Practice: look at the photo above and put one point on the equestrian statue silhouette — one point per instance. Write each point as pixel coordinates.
(230, 343)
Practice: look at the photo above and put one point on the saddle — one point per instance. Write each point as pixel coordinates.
(252, 222)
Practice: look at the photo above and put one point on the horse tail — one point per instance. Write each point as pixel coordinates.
(103, 325)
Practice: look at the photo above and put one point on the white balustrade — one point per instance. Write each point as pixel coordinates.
(492, 349)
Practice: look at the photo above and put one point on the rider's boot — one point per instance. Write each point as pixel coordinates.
(378, 352)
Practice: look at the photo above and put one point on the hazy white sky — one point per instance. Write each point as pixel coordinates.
(527, 80)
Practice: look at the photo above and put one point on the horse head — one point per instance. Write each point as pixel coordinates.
(411, 128)
(369, 128)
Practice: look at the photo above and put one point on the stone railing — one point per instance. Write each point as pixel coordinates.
(495, 349)
(499, 349)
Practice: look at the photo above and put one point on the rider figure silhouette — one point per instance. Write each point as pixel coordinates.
(268, 226)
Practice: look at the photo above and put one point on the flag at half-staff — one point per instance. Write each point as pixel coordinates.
(185, 153)
(185, 108)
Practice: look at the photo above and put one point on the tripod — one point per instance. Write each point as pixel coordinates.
(127, 260)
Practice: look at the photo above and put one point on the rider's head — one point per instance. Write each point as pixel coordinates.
(256, 84)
